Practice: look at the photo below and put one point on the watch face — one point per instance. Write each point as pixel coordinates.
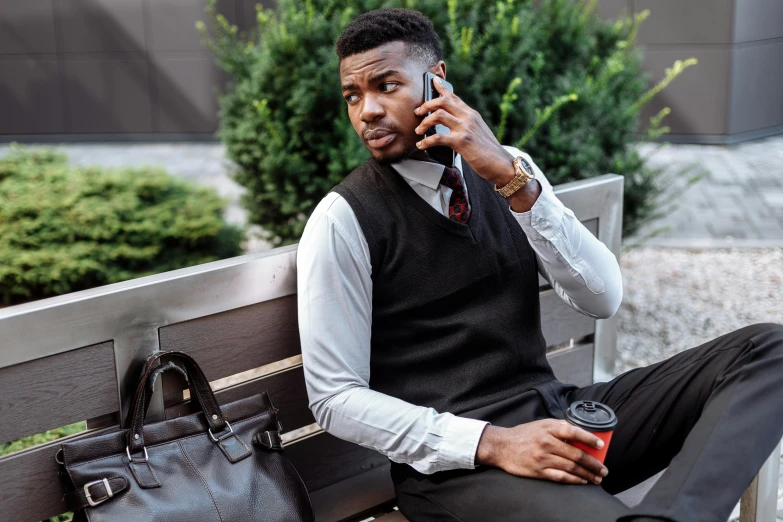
(526, 166)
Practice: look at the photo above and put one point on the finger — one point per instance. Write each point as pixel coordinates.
(572, 468)
(574, 454)
(558, 475)
(564, 430)
(441, 88)
(440, 116)
(443, 140)
(449, 96)
(441, 102)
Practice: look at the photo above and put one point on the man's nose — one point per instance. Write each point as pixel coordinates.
(372, 109)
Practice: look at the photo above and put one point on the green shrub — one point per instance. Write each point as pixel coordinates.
(64, 228)
(557, 81)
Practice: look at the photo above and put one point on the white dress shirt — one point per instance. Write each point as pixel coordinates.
(335, 317)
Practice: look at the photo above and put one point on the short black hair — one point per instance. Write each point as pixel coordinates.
(379, 26)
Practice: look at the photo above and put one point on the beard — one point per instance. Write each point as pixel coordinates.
(399, 156)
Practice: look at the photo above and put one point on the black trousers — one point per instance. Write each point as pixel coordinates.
(711, 414)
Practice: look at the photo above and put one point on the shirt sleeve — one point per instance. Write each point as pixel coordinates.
(580, 268)
(335, 314)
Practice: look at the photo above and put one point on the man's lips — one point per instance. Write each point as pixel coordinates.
(379, 137)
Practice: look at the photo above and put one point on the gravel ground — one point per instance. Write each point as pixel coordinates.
(676, 299)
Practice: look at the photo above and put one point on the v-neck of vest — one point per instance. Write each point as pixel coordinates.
(444, 222)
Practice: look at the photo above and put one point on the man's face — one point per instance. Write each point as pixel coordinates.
(382, 87)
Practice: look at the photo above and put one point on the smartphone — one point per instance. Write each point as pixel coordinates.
(430, 92)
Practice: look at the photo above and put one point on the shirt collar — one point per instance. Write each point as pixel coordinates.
(428, 173)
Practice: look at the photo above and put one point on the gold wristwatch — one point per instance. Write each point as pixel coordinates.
(524, 174)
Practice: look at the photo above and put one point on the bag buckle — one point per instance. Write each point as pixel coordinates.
(212, 436)
(146, 455)
(276, 442)
(109, 492)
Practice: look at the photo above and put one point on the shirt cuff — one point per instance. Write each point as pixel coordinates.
(458, 447)
(544, 218)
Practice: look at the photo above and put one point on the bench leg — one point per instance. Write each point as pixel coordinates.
(760, 501)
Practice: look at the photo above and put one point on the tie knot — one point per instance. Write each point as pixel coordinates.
(452, 178)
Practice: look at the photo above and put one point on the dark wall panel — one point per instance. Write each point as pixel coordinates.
(27, 27)
(758, 20)
(172, 23)
(186, 101)
(685, 22)
(101, 25)
(181, 100)
(108, 95)
(611, 9)
(30, 99)
(699, 97)
(757, 86)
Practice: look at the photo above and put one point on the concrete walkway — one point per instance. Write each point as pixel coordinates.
(739, 203)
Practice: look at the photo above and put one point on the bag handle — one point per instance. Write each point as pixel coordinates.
(200, 391)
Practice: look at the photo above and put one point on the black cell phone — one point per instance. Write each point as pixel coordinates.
(430, 92)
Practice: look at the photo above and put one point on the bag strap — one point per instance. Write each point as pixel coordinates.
(199, 389)
(94, 493)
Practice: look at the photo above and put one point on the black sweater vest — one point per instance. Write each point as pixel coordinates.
(456, 322)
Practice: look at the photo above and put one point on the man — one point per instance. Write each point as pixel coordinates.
(421, 335)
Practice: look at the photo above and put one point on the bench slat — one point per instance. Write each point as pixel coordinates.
(353, 495)
(560, 322)
(286, 390)
(574, 365)
(58, 390)
(393, 517)
(237, 340)
(323, 460)
(30, 488)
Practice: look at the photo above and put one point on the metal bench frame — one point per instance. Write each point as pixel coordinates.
(76, 357)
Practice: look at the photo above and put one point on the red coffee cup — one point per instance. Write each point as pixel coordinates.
(598, 419)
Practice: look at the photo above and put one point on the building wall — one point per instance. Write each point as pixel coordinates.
(105, 69)
(735, 92)
(136, 69)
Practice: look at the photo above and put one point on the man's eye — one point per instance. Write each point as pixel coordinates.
(391, 86)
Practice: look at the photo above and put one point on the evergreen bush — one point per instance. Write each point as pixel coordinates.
(553, 79)
(66, 228)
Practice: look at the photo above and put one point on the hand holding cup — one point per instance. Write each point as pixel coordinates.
(537, 450)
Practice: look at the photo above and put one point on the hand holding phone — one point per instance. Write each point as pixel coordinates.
(453, 126)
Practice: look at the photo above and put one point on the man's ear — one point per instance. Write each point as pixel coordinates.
(439, 69)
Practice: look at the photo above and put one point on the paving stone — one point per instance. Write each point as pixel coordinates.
(773, 199)
(769, 230)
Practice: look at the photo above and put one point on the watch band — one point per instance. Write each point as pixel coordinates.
(524, 174)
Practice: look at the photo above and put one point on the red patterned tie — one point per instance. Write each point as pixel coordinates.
(459, 206)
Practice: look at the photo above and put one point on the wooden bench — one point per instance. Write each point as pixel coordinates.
(76, 357)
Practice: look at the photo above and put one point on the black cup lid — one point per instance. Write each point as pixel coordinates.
(591, 415)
